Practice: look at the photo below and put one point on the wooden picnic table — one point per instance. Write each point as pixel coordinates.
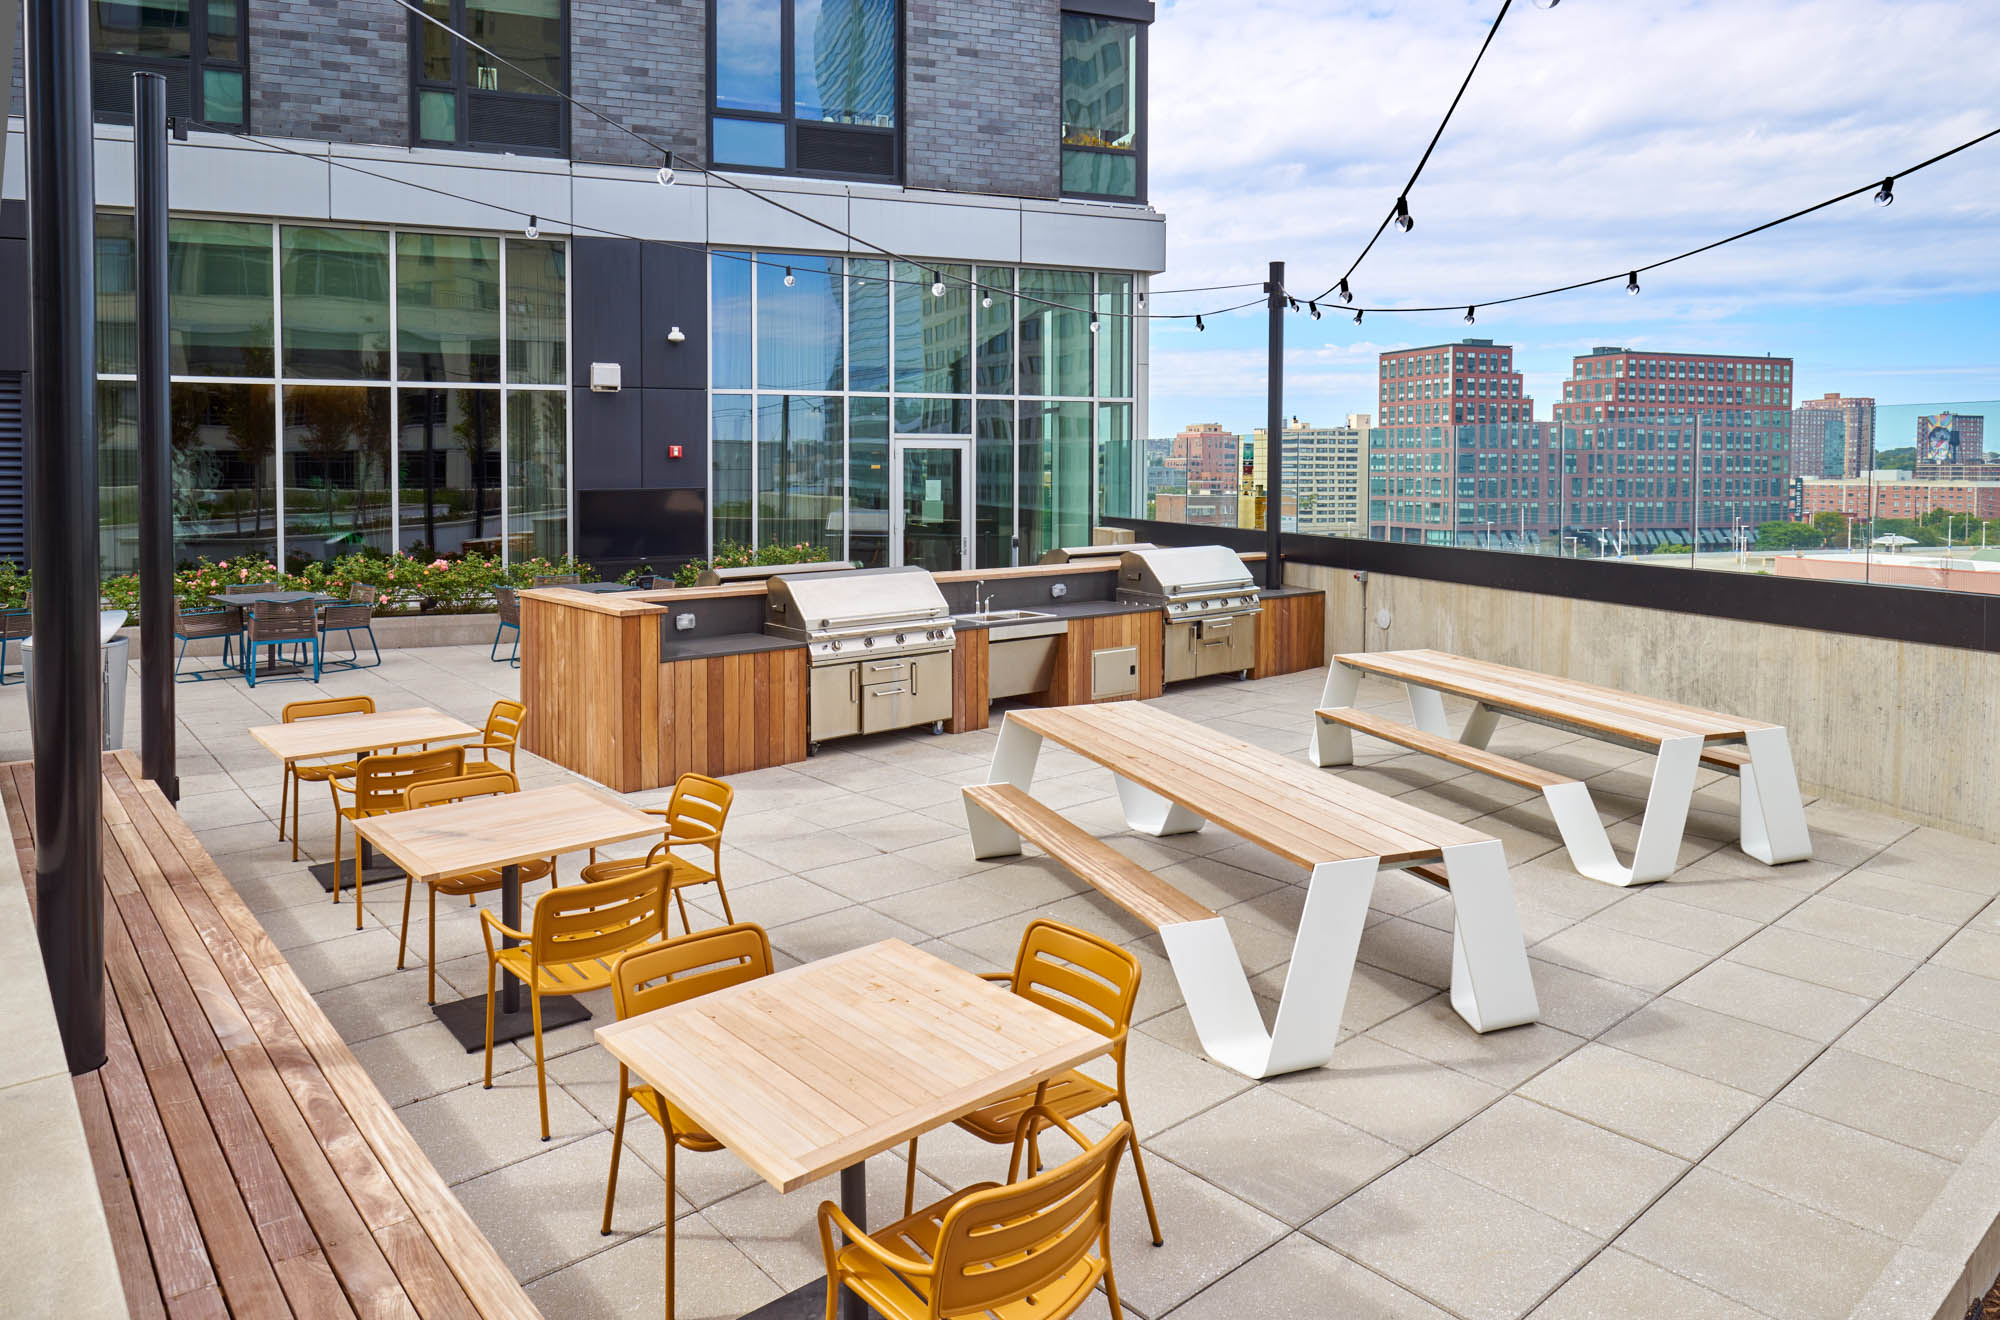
(1173, 775)
(499, 832)
(1683, 738)
(810, 1071)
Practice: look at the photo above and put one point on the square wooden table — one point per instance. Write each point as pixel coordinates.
(500, 832)
(812, 1070)
(357, 736)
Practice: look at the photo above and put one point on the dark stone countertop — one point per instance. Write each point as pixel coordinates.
(1083, 609)
(706, 648)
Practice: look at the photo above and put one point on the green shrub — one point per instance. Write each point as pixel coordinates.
(734, 554)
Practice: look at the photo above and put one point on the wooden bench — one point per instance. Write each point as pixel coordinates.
(1174, 776)
(1113, 874)
(247, 1163)
(1683, 738)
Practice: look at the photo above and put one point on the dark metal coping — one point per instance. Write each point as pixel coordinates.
(1966, 620)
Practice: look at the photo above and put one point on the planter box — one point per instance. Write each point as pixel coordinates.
(392, 632)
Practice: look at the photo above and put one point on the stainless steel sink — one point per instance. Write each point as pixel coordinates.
(1007, 625)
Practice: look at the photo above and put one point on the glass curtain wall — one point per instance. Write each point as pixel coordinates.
(340, 391)
(821, 368)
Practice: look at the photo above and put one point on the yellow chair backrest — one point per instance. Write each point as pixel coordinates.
(1003, 1244)
(381, 781)
(699, 806)
(306, 710)
(436, 792)
(503, 722)
(688, 967)
(1085, 978)
(579, 922)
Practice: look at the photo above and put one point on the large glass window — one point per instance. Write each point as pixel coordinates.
(806, 86)
(466, 97)
(920, 367)
(197, 45)
(1103, 107)
(338, 428)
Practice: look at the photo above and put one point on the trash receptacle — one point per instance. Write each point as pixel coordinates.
(114, 660)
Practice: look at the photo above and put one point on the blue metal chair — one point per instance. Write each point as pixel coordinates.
(355, 615)
(225, 621)
(279, 625)
(508, 601)
(16, 626)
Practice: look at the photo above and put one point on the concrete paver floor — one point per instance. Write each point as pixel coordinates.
(1747, 1086)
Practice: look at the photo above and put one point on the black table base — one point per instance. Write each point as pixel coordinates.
(371, 875)
(809, 1302)
(465, 1019)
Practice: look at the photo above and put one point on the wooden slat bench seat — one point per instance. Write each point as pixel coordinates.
(1114, 875)
(1173, 777)
(1683, 738)
(249, 1165)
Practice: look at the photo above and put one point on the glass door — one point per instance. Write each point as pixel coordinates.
(932, 504)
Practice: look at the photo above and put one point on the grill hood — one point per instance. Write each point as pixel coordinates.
(876, 611)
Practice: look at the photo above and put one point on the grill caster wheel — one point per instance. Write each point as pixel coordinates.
(1242, 675)
(937, 727)
(812, 749)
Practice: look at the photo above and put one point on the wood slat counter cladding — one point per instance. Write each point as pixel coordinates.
(601, 703)
(248, 1164)
(1291, 634)
(1141, 629)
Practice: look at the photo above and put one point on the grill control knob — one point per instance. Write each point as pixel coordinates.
(899, 639)
(833, 646)
(868, 641)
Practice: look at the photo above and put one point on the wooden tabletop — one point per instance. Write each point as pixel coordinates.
(812, 1070)
(505, 829)
(1269, 799)
(343, 735)
(1556, 700)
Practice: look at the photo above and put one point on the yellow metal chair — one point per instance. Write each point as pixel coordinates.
(437, 792)
(502, 732)
(1092, 982)
(297, 776)
(695, 816)
(380, 783)
(1022, 1251)
(683, 968)
(577, 930)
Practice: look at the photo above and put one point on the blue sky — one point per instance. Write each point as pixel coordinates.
(1596, 137)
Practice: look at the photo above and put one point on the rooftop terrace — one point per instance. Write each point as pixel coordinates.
(1750, 1088)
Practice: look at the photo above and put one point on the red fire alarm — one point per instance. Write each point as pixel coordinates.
(673, 451)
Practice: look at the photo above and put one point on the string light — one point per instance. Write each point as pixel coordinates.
(1093, 325)
(937, 286)
(1346, 294)
(1357, 316)
(1403, 220)
(1887, 192)
(534, 229)
(985, 300)
(1291, 302)
(1632, 283)
(1315, 308)
(790, 279)
(664, 176)
(1197, 322)
(1468, 316)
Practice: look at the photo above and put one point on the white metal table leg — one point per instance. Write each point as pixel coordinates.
(1014, 757)
(1219, 1000)
(1479, 726)
(1427, 709)
(1333, 744)
(1772, 816)
(1149, 813)
(1490, 984)
(1660, 831)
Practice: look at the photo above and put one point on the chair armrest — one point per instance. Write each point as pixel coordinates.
(1004, 978)
(710, 838)
(488, 923)
(830, 1216)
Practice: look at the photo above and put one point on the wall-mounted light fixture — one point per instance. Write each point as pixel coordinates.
(674, 336)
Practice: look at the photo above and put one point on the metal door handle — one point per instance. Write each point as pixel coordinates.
(892, 664)
(897, 691)
(854, 684)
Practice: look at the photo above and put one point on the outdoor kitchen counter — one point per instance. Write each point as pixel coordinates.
(704, 648)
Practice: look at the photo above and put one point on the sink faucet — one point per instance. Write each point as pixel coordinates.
(979, 605)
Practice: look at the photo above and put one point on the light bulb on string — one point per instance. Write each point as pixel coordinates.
(985, 300)
(534, 229)
(1632, 283)
(937, 286)
(1357, 317)
(664, 176)
(1315, 308)
(1887, 192)
(1468, 316)
(790, 279)
(1346, 294)
(1547, 4)
(1291, 302)
(1197, 322)
(1093, 325)
(1403, 220)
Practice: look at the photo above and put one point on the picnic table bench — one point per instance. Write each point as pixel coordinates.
(1173, 776)
(1771, 817)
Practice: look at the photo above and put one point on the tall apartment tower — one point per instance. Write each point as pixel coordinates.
(1208, 457)
(1458, 458)
(1661, 446)
(1322, 477)
(1819, 442)
(1857, 419)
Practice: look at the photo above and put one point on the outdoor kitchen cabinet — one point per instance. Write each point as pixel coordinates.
(874, 696)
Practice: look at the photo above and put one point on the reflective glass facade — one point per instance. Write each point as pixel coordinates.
(339, 390)
(856, 399)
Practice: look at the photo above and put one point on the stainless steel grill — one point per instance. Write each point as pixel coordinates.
(879, 642)
(1210, 602)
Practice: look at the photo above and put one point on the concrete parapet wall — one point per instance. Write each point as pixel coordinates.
(1897, 726)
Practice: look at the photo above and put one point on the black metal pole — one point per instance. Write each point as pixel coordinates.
(156, 513)
(62, 526)
(1274, 445)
